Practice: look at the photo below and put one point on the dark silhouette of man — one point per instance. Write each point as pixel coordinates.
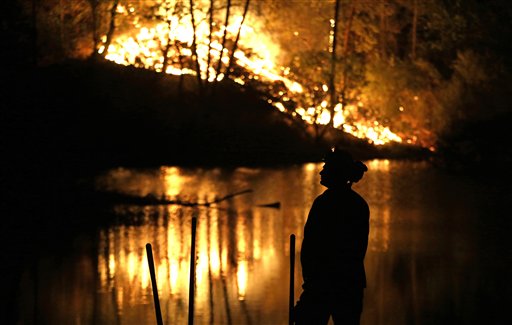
(334, 246)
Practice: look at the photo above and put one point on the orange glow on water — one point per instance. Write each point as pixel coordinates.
(108, 282)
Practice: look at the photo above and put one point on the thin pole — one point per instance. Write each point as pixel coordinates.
(151, 264)
(292, 279)
(192, 280)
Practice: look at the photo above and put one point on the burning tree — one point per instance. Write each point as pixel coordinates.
(365, 67)
(214, 41)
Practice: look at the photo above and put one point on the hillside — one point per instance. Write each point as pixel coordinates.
(99, 114)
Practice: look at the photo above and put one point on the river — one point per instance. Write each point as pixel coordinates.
(436, 252)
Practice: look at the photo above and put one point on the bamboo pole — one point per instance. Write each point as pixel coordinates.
(151, 264)
(192, 273)
(292, 279)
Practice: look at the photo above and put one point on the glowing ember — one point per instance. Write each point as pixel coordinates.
(143, 47)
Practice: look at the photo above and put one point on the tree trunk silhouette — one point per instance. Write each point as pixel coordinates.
(346, 38)
(235, 45)
(169, 44)
(210, 24)
(94, 16)
(226, 22)
(182, 66)
(194, 48)
(111, 28)
(332, 78)
(166, 50)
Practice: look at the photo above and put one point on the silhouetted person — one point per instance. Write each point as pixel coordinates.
(334, 246)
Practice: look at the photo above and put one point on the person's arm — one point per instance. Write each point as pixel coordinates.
(364, 230)
(311, 232)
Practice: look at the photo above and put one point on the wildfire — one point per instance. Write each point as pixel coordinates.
(149, 46)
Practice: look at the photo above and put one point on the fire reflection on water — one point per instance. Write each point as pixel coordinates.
(237, 247)
(379, 182)
(123, 268)
(417, 260)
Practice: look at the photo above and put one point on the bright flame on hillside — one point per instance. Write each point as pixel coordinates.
(173, 38)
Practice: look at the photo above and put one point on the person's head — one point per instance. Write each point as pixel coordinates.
(341, 169)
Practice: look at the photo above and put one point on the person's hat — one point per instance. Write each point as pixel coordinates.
(338, 158)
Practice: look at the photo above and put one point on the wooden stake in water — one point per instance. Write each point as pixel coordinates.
(151, 264)
(292, 279)
(192, 280)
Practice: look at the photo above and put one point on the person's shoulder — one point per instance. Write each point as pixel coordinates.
(322, 197)
(360, 199)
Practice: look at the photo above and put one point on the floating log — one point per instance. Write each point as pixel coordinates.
(151, 200)
(274, 205)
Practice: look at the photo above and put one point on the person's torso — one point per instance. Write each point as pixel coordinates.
(335, 239)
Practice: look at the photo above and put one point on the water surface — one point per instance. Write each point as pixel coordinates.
(435, 254)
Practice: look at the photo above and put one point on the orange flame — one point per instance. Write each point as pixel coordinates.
(142, 46)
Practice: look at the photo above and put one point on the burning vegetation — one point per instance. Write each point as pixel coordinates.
(395, 71)
(191, 38)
